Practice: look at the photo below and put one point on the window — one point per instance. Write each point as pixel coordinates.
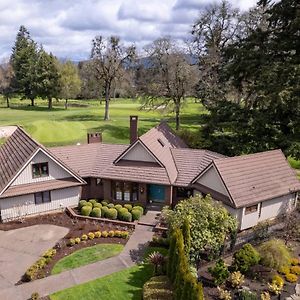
(40, 170)
(42, 197)
(251, 209)
(125, 191)
(183, 193)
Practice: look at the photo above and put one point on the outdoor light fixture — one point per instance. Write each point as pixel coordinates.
(142, 190)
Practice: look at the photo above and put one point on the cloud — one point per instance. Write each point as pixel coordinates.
(67, 27)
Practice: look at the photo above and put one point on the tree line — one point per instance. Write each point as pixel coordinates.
(243, 67)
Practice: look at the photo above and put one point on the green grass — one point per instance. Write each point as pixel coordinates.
(62, 127)
(86, 256)
(124, 285)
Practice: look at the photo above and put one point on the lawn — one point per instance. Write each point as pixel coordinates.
(62, 127)
(86, 256)
(124, 285)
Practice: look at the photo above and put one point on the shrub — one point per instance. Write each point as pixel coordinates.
(136, 214)
(139, 208)
(246, 295)
(276, 285)
(224, 294)
(104, 234)
(35, 296)
(86, 210)
(219, 272)
(117, 233)
(77, 240)
(110, 205)
(89, 204)
(82, 203)
(91, 235)
(236, 279)
(265, 296)
(261, 230)
(158, 287)
(157, 260)
(121, 212)
(98, 205)
(295, 270)
(111, 214)
(104, 210)
(97, 234)
(49, 253)
(291, 278)
(127, 217)
(96, 212)
(93, 201)
(111, 233)
(274, 254)
(295, 261)
(284, 270)
(118, 207)
(84, 237)
(71, 242)
(244, 258)
(160, 241)
(104, 203)
(124, 234)
(128, 206)
(278, 280)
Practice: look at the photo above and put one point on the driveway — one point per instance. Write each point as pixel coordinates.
(20, 248)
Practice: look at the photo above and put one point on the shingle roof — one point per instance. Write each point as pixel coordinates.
(191, 162)
(257, 177)
(14, 153)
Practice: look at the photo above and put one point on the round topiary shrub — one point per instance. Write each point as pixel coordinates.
(91, 235)
(86, 210)
(295, 270)
(71, 242)
(118, 207)
(97, 234)
(82, 203)
(93, 201)
(127, 217)
(104, 234)
(140, 208)
(136, 214)
(121, 212)
(124, 234)
(89, 204)
(96, 212)
(98, 205)
(77, 240)
(291, 278)
(84, 237)
(128, 206)
(104, 203)
(110, 205)
(104, 210)
(111, 233)
(118, 233)
(111, 214)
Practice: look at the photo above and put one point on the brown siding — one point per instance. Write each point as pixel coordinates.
(168, 195)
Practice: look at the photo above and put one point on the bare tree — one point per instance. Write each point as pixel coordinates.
(109, 58)
(169, 79)
(6, 81)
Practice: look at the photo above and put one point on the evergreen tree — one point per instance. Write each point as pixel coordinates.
(23, 60)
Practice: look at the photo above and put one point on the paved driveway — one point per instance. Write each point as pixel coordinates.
(21, 247)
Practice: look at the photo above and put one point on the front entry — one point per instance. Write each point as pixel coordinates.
(156, 193)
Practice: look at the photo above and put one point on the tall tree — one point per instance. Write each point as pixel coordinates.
(6, 81)
(169, 79)
(70, 83)
(23, 60)
(109, 58)
(48, 78)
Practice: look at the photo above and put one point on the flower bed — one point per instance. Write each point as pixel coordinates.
(106, 210)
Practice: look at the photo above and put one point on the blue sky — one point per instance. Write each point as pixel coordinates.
(66, 27)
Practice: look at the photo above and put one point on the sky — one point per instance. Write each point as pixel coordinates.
(66, 27)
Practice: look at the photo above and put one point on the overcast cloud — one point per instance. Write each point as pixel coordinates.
(66, 27)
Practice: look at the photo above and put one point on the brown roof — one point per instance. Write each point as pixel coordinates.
(191, 162)
(14, 153)
(257, 177)
(24, 189)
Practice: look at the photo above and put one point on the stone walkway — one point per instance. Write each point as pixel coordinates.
(46, 286)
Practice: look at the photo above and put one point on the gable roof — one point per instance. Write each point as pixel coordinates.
(257, 177)
(16, 152)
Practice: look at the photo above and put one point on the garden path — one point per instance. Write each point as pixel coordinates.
(130, 255)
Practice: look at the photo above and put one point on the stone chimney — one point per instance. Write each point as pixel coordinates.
(133, 129)
(94, 137)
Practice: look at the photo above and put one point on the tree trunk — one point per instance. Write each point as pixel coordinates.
(107, 98)
(66, 104)
(49, 102)
(7, 101)
(177, 115)
(32, 101)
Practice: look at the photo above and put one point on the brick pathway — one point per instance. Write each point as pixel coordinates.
(130, 255)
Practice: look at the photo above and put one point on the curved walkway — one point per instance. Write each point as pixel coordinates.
(46, 286)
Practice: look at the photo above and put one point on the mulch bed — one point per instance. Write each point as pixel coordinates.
(76, 229)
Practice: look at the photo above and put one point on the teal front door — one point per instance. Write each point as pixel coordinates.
(156, 193)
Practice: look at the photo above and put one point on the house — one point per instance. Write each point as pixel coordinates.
(32, 179)
(155, 167)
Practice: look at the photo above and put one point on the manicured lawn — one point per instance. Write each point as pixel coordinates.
(124, 285)
(86, 256)
(62, 127)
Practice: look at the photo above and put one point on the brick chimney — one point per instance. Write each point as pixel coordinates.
(94, 137)
(133, 129)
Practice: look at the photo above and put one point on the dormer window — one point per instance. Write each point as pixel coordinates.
(40, 170)
(161, 142)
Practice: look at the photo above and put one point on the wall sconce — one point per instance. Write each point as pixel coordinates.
(142, 190)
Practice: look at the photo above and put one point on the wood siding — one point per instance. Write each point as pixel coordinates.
(24, 205)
